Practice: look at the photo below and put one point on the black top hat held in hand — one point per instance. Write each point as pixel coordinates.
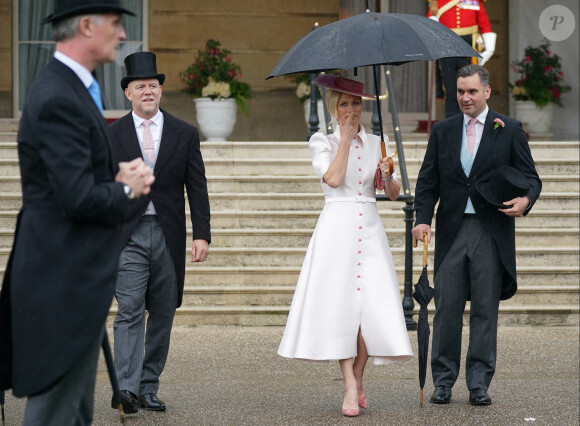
(507, 184)
(68, 8)
(141, 66)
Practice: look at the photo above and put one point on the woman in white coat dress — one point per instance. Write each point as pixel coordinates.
(347, 303)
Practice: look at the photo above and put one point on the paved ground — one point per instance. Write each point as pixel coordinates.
(233, 376)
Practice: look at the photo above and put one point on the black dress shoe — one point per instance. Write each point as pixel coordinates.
(479, 397)
(128, 401)
(150, 402)
(441, 395)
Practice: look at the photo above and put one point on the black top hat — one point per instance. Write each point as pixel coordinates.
(507, 184)
(141, 65)
(67, 8)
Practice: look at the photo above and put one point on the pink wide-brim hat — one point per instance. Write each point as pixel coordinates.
(341, 84)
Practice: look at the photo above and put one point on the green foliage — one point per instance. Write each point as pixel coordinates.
(302, 81)
(213, 74)
(540, 77)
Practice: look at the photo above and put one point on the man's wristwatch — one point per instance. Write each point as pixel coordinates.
(128, 192)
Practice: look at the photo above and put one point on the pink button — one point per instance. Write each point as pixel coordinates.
(358, 288)
(356, 146)
(360, 227)
(360, 182)
(359, 252)
(360, 193)
(360, 214)
(359, 158)
(358, 276)
(360, 170)
(360, 239)
(359, 264)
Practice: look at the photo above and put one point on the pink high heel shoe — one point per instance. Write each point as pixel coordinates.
(362, 402)
(350, 412)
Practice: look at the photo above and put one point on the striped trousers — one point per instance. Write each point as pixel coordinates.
(146, 282)
(472, 268)
(70, 401)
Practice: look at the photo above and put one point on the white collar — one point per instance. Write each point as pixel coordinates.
(156, 119)
(481, 117)
(83, 74)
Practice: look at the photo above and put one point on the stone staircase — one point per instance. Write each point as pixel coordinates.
(265, 202)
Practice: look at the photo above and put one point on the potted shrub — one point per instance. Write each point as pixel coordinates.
(213, 82)
(539, 85)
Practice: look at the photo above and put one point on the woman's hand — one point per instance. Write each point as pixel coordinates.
(385, 166)
(348, 128)
(392, 186)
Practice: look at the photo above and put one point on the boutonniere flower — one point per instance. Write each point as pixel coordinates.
(498, 123)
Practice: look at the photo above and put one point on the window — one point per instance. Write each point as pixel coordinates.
(35, 48)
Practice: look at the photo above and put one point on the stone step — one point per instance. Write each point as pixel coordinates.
(306, 184)
(289, 256)
(294, 256)
(298, 237)
(275, 315)
(308, 218)
(303, 167)
(198, 296)
(412, 149)
(292, 149)
(9, 124)
(226, 276)
(311, 184)
(224, 201)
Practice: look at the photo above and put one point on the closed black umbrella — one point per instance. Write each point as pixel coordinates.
(112, 375)
(423, 294)
(372, 39)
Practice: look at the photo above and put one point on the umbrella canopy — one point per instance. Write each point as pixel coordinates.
(372, 39)
(423, 295)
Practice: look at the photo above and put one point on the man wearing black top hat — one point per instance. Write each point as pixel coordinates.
(479, 167)
(152, 264)
(60, 279)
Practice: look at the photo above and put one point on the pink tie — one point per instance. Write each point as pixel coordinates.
(471, 135)
(148, 144)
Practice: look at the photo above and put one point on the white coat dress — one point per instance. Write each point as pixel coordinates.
(348, 280)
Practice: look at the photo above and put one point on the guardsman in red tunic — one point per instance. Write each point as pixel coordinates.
(468, 19)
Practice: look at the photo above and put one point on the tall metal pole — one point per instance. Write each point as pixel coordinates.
(409, 208)
(313, 117)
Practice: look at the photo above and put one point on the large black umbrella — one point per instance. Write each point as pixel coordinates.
(372, 39)
(423, 295)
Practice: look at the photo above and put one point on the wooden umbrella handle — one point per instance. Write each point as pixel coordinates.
(425, 246)
(389, 159)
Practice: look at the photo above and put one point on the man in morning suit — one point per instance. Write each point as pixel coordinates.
(152, 264)
(60, 279)
(475, 244)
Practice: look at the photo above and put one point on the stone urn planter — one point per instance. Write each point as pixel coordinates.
(216, 118)
(534, 119)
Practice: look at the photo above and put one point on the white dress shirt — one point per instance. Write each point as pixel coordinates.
(156, 129)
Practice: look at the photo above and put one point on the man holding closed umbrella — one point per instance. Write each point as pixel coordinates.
(470, 156)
